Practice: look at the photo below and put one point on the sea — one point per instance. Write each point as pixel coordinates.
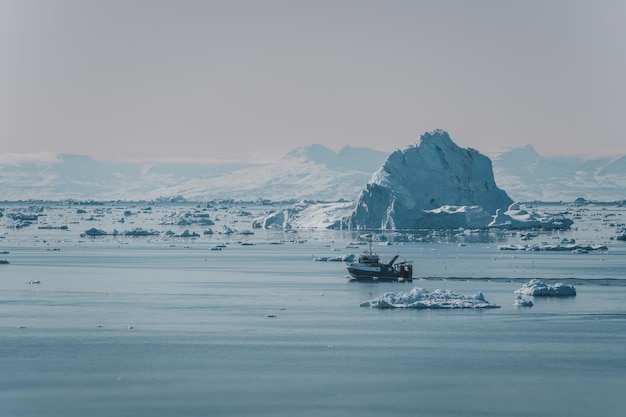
(228, 320)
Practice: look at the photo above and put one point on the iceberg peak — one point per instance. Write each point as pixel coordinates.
(434, 138)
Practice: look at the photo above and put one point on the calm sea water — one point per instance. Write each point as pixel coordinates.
(158, 327)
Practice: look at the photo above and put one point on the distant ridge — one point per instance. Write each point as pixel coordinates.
(528, 176)
(349, 158)
(309, 172)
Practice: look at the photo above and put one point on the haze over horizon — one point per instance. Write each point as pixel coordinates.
(245, 80)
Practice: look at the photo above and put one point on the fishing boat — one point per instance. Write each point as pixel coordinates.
(368, 268)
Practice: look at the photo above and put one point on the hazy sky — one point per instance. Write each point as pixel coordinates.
(251, 79)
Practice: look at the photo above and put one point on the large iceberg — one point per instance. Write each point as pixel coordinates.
(427, 176)
(420, 298)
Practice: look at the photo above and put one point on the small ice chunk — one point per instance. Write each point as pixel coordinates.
(522, 302)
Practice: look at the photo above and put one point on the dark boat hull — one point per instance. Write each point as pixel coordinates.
(357, 274)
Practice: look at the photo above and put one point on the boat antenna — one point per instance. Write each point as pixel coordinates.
(369, 242)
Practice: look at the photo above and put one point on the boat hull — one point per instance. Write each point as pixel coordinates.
(373, 275)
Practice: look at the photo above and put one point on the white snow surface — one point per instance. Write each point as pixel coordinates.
(536, 287)
(420, 298)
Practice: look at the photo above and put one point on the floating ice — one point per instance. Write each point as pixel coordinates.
(516, 217)
(576, 248)
(522, 302)
(621, 235)
(137, 232)
(186, 233)
(225, 230)
(345, 258)
(187, 218)
(536, 287)
(95, 232)
(421, 299)
(278, 219)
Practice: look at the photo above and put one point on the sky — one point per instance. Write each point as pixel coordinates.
(251, 80)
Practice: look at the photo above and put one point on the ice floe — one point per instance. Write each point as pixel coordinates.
(278, 219)
(187, 218)
(138, 231)
(516, 217)
(344, 258)
(555, 248)
(95, 232)
(420, 298)
(620, 235)
(522, 302)
(537, 288)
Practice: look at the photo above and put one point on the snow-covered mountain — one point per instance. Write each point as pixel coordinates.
(81, 177)
(433, 173)
(528, 176)
(312, 172)
(307, 173)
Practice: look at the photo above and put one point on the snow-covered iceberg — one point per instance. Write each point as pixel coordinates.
(516, 217)
(454, 217)
(420, 298)
(187, 218)
(536, 288)
(343, 258)
(278, 219)
(522, 302)
(427, 176)
(306, 215)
